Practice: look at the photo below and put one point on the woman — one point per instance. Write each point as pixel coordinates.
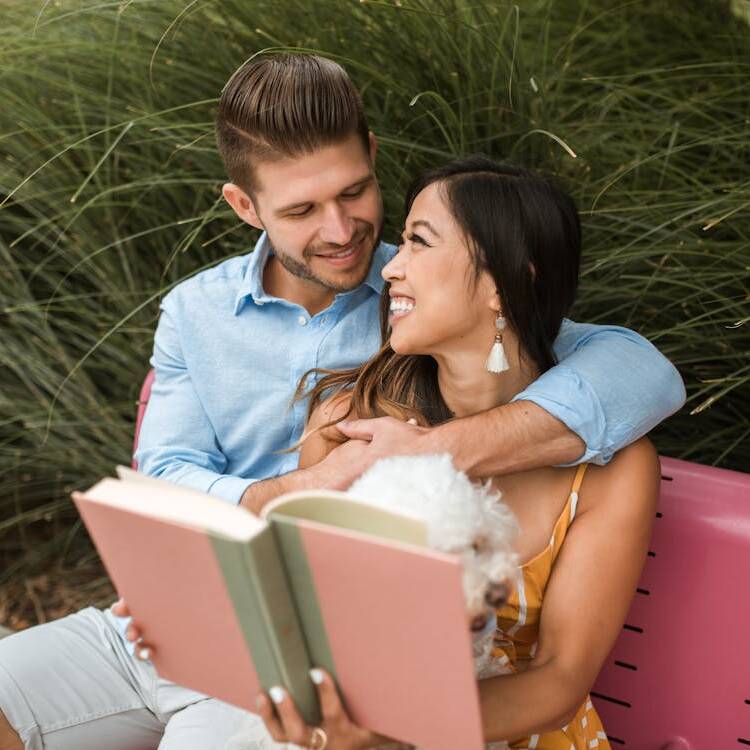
(488, 264)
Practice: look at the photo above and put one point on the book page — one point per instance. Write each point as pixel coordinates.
(342, 511)
(158, 498)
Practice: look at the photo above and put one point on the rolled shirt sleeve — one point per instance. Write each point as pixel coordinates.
(611, 387)
(177, 441)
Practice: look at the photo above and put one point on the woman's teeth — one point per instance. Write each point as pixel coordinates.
(400, 306)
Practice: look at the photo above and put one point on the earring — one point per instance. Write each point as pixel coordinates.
(497, 362)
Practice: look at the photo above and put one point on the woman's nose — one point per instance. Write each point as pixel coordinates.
(393, 270)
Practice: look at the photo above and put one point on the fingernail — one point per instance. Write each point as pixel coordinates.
(343, 424)
(259, 701)
(277, 694)
(316, 676)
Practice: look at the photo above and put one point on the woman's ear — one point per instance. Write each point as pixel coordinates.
(495, 303)
(241, 204)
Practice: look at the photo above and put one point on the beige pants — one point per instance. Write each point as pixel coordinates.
(72, 685)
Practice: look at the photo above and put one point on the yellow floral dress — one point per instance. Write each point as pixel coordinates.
(518, 632)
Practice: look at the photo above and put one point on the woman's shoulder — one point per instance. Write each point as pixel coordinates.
(331, 409)
(629, 483)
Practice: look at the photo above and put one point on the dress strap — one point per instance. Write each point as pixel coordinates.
(574, 491)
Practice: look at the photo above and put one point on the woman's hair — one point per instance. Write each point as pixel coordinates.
(524, 231)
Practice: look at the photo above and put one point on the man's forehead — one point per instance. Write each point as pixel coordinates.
(314, 176)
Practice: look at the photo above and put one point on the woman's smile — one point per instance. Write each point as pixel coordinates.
(400, 307)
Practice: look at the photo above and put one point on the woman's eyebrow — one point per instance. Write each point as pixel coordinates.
(426, 224)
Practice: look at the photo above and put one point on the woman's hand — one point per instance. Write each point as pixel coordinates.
(286, 724)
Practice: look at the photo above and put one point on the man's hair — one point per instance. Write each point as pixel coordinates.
(284, 105)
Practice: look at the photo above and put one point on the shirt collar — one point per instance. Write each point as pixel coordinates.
(251, 286)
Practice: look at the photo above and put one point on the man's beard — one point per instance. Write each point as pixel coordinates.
(302, 270)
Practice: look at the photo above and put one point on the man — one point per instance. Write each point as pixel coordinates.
(230, 348)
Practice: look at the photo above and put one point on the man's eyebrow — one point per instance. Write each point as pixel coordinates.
(361, 182)
(291, 206)
(426, 224)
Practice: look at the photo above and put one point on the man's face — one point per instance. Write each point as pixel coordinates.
(323, 213)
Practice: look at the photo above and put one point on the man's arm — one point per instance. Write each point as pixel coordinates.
(523, 435)
(609, 389)
(177, 441)
(337, 470)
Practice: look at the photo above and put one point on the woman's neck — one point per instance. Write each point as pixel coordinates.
(468, 388)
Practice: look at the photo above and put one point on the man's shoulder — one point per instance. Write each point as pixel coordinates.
(385, 250)
(220, 282)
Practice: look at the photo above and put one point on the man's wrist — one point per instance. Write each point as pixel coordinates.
(446, 438)
(260, 493)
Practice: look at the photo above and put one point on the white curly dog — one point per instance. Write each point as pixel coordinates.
(462, 518)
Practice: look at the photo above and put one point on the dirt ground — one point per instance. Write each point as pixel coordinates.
(55, 593)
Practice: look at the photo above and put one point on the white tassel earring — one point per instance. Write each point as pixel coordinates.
(497, 362)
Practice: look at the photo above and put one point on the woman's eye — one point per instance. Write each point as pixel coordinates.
(417, 239)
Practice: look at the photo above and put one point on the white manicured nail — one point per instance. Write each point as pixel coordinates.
(316, 676)
(277, 694)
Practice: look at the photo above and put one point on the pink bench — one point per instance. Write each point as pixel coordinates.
(678, 677)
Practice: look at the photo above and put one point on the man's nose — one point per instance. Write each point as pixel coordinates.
(338, 227)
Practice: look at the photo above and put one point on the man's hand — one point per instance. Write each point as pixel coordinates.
(369, 441)
(133, 633)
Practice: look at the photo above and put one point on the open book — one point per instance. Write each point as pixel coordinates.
(233, 604)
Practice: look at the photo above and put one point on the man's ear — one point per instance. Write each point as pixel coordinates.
(242, 204)
(373, 146)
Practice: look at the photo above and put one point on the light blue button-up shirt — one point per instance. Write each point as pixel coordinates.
(228, 358)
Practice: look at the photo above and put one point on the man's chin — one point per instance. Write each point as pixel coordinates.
(344, 279)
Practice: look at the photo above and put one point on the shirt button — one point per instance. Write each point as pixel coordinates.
(302, 320)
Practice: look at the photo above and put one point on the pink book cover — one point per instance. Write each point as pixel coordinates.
(177, 571)
(394, 616)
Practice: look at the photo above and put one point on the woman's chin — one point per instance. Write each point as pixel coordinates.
(401, 345)
(404, 345)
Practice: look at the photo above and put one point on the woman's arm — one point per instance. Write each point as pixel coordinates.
(586, 600)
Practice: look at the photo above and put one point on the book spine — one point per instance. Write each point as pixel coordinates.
(268, 617)
(302, 586)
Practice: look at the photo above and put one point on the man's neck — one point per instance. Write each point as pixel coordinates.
(278, 282)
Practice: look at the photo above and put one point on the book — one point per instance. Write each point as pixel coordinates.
(232, 603)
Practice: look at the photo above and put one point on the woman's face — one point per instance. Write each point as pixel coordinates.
(436, 307)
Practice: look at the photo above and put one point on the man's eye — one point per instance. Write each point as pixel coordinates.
(301, 213)
(355, 194)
